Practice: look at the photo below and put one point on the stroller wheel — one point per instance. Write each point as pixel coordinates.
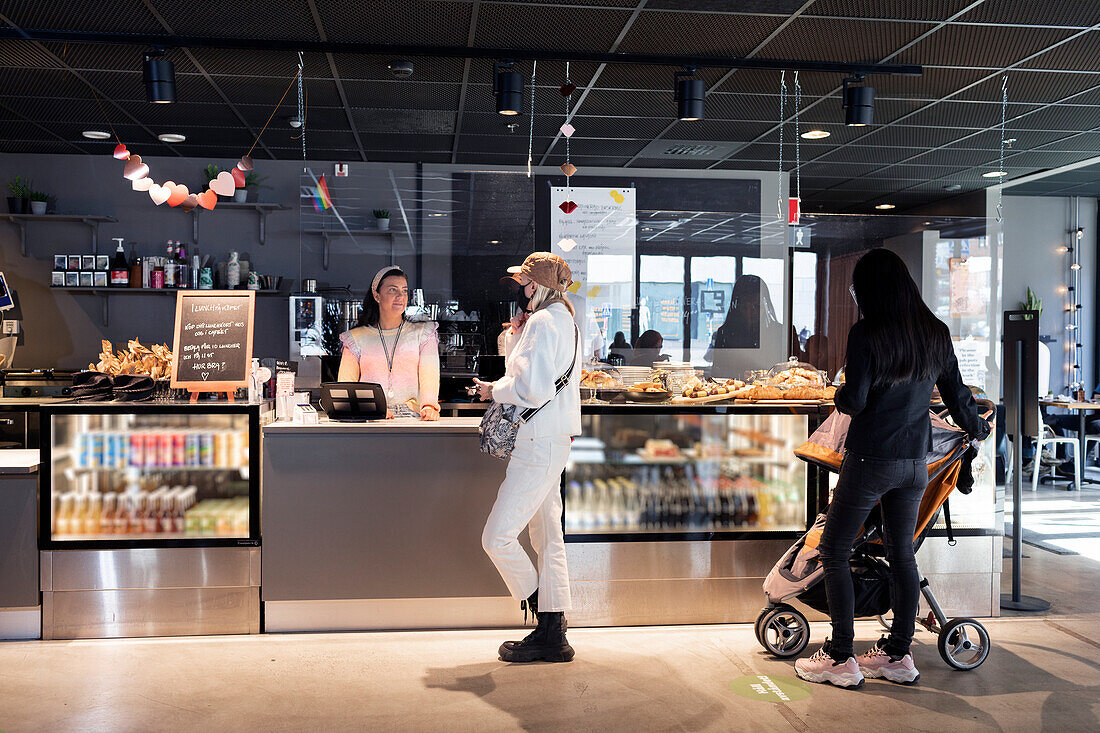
(964, 643)
(759, 622)
(784, 631)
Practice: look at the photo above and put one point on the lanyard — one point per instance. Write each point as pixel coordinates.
(390, 355)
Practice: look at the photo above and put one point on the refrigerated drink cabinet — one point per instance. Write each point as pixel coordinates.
(149, 522)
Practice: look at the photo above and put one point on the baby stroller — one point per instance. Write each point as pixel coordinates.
(783, 630)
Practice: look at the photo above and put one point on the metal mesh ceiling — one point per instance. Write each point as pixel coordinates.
(930, 131)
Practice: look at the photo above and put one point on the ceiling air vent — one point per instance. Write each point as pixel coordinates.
(687, 149)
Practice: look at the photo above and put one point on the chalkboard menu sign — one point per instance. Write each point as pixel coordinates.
(213, 340)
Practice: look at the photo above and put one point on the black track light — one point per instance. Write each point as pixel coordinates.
(159, 76)
(858, 103)
(508, 88)
(690, 95)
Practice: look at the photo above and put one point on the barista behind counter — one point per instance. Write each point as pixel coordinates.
(387, 348)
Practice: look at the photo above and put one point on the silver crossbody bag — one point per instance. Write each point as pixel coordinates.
(500, 424)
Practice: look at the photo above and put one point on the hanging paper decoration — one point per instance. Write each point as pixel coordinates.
(794, 208)
(159, 194)
(567, 129)
(782, 111)
(224, 184)
(134, 168)
(208, 199)
(179, 193)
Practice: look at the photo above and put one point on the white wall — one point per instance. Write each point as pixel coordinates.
(1034, 227)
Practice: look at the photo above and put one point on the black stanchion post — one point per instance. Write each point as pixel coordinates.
(1021, 390)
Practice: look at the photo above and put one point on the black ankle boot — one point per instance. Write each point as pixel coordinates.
(531, 605)
(547, 643)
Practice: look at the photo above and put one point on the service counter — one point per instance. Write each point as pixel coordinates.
(19, 604)
(378, 525)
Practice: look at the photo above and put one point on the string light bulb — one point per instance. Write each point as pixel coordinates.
(1062, 250)
(1075, 266)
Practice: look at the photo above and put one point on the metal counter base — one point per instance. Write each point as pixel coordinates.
(655, 584)
(96, 594)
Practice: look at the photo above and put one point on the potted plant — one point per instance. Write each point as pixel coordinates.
(248, 191)
(20, 193)
(383, 218)
(38, 202)
(209, 173)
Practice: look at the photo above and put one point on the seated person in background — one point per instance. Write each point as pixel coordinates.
(648, 349)
(621, 347)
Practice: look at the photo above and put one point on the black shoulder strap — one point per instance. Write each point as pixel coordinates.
(561, 382)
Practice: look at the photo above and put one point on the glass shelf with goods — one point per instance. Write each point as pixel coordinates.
(180, 476)
(653, 474)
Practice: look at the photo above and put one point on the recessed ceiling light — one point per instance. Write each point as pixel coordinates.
(436, 214)
(994, 174)
(816, 134)
(494, 241)
(952, 187)
(927, 223)
(885, 206)
(171, 137)
(96, 134)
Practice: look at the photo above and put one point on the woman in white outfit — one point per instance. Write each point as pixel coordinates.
(531, 493)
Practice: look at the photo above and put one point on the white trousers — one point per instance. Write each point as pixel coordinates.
(531, 497)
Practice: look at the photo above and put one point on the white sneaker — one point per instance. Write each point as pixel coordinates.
(821, 668)
(877, 663)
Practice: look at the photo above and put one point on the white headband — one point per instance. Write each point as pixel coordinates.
(391, 270)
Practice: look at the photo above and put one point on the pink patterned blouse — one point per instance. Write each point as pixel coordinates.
(415, 373)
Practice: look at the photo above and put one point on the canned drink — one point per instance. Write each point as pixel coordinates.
(164, 450)
(95, 458)
(110, 450)
(191, 449)
(152, 448)
(179, 449)
(83, 450)
(137, 450)
(221, 449)
(206, 449)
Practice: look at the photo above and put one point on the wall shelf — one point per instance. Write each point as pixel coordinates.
(261, 209)
(104, 292)
(20, 220)
(328, 234)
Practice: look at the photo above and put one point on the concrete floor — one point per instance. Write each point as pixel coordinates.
(1042, 674)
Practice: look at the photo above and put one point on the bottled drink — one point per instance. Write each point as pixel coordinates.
(183, 276)
(107, 515)
(120, 269)
(135, 269)
(171, 267)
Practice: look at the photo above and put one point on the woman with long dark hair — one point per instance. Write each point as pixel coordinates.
(897, 352)
(390, 350)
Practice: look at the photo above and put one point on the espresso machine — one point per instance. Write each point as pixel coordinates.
(306, 338)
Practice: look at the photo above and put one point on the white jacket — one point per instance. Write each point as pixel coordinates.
(542, 354)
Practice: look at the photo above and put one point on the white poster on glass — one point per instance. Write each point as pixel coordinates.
(597, 239)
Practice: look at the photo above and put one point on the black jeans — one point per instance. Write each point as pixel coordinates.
(898, 485)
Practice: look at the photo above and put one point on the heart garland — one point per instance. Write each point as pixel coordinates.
(177, 194)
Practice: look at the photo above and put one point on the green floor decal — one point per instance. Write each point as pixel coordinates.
(770, 688)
